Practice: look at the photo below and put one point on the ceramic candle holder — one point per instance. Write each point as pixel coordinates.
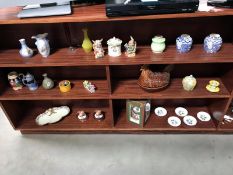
(65, 86)
(212, 43)
(184, 43)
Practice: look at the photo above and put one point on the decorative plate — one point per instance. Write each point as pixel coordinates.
(174, 121)
(190, 120)
(160, 111)
(203, 116)
(180, 111)
(52, 115)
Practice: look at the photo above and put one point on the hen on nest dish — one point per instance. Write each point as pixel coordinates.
(153, 81)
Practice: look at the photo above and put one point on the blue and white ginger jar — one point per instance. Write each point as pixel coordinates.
(212, 43)
(184, 43)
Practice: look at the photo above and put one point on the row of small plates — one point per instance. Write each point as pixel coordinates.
(182, 112)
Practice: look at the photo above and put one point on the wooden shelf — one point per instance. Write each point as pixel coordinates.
(69, 123)
(95, 13)
(65, 57)
(77, 92)
(160, 124)
(129, 89)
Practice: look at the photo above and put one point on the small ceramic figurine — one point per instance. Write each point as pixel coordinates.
(213, 86)
(15, 81)
(212, 43)
(114, 47)
(25, 51)
(42, 44)
(98, 49)
(89, 86)
(130, 47)
(158, 44)
(65, 86)
(82, 116)
(184, 43)
(189, 83)
(99, 115)
(47, 82)
(29, 81)
(52, 115)
(86, 45)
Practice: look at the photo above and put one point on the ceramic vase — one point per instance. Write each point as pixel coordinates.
(212, 43)
(184, 43)
(87, 44)
(29, 81)
(158, 44)
(42, 44)
(47, 82)
(114, 47)
(25, 51)
(189, 83)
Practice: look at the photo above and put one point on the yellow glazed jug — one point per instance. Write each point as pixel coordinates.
(87, 44)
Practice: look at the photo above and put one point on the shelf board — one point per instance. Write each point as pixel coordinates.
(65, 57)
(69, 123)
(77, 92)
(129, 89)
(95, 13)
(160, 124)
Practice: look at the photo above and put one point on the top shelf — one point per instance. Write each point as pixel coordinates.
(95, 13)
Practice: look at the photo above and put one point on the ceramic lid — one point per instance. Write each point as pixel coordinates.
(114, 41)
(159, 39)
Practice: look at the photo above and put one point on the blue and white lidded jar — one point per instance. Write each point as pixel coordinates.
(212, 43)
(184, 43)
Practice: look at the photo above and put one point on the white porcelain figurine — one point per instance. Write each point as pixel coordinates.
(25, 51)
(42, 44)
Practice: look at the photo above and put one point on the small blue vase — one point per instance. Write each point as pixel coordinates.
(212, 43)
(184, 43)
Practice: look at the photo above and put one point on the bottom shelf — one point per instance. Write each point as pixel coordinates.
(160, 124)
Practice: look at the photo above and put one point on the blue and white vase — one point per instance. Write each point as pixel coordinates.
(212, 43)
(184, 43)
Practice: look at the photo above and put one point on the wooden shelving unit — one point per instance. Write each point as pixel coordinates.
(116, 78)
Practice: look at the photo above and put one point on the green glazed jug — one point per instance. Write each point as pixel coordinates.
(87, 44)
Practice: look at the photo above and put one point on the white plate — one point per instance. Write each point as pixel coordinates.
(174, 121)
(190, 120)
(180, 111)
(160, 111)
(203, 116)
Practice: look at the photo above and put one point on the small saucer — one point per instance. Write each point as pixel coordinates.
(160, 111)
(203, 116)
(181, 112)
(190, 120)
(174, 121)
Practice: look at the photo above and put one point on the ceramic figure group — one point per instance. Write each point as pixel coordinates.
(130, 47)
(42, 44)
(83, 116)
(98, 49)
(89, 86)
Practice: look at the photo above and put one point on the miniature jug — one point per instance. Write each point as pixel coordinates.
(87, 44)
(189, 83)
(158, 44)
(25, 51)
(29, 81)
(47, 82)
(42, 44)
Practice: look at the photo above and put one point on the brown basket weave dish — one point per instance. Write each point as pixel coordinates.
(152, 81)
